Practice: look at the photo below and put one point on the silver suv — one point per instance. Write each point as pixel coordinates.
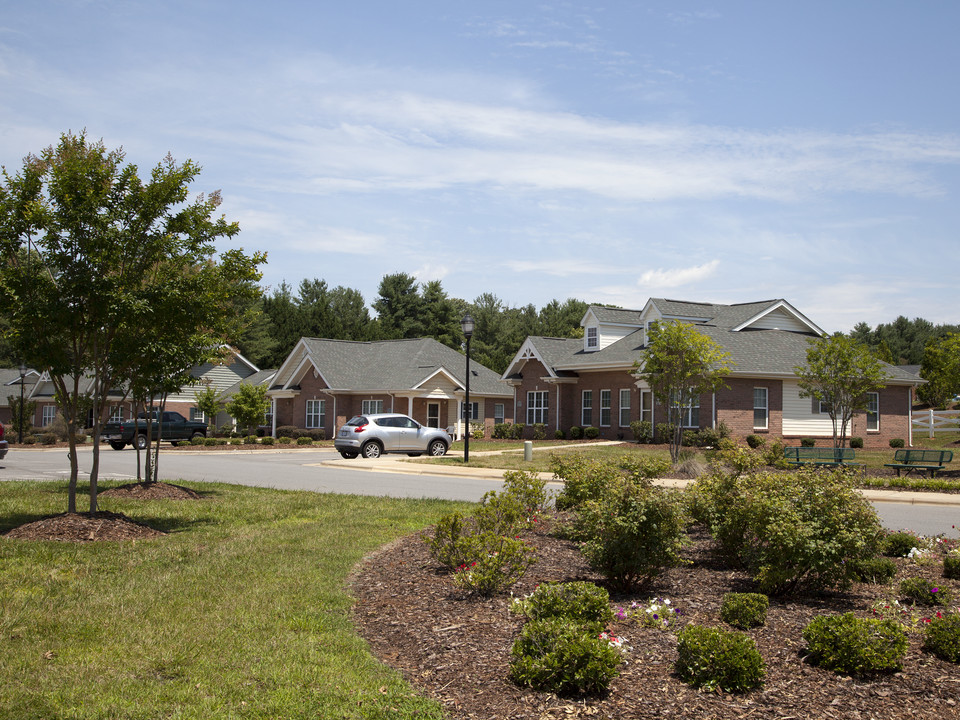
(373, 435)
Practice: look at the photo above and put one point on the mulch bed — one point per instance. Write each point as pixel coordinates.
(456, 648)
(84, 527)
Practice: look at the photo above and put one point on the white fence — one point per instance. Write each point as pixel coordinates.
(936, 421)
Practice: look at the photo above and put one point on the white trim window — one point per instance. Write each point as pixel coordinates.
(197, 415)
(371, 407)
(498, 413)
(646, 406)
(873, 412)
(761, 408)
(316, 414)
(586, 408)
(47, 415)
(688, 415)
(474, 410)
(625, 407)
(116, 414)
(538, 407)
(606, 402)
(593, 338)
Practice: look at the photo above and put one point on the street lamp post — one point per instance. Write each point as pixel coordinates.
(23, 374)
(467, 325)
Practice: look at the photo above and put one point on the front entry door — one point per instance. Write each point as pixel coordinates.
(433, 415)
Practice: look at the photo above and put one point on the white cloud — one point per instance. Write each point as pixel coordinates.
(677, 277)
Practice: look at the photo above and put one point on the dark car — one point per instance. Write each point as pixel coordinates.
(3, 443)
(373, 435)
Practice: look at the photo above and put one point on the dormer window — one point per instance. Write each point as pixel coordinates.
(593, 338)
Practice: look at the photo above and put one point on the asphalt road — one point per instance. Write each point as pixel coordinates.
(305, 470)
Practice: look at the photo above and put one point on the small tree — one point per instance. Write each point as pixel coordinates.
(209, 403)
(680, 365)
(839, 373)
(941, 369)
(249, 405)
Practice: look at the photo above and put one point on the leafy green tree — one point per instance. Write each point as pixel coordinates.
(440, 318)
(256, 341)
(286, 323)
(249, 406)
(101, 244)
(839, 373)
(680, 365)
(399, 307)
(209, 403)
(941, 369)
(351, 319)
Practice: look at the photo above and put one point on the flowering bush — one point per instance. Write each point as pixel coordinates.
(714, 658)
(529, 490)
(923, 592)
(942, 637)
(899, 544)
(580, 601)
(656, 613)
(744, 610)
(856, 646)
(565, 657)
(499, 563)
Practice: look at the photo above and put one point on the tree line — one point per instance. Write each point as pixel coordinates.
(403, 308)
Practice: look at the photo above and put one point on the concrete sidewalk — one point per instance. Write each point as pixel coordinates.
(398, 464)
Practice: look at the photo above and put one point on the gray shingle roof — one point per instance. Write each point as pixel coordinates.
(396, 365)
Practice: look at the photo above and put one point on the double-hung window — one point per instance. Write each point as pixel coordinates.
(371, 407)
(316, 413)
(537, 407)
(761, 409)
(625, 407)
(474, 410)
(116, 413)
(498, 413)
(586, 408)
(646, 406)
(606, 398)
(47, 415)
(593, 338)
(873, 412)
(687, 415)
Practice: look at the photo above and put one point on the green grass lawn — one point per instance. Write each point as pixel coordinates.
(242, 611)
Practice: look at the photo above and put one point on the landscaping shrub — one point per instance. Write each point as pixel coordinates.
(793, 531)
(642, 431)
(772, 454)
(576, 432)
(236, 441)
(477, 431)
(516, 431)
(808, 442)
(755, 441)
(210, 442)
(896, 442)
(304, 440)
(447, 545)
(744, 610)
(711, 436)
(713, 658)
(220, 441)
(267, 440)
(583, 479)
(855, 646)
(250, 440)
(921, 591)
(48, 438)
(633, 532)
(951, 566)
(288, 431)
(285, 440)
(198, 440)
(942, 637)
(501, 431)
(580, 601)
(856, 442)
(591, 433)
(664, 432)
(899, 544)
(689, 438)
(529, 489)
(498, 562)
(564, 657)
(559, 435)
(876, 570)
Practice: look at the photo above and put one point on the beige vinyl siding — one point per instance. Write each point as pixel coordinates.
(220, 377)
(440, 386)
(779, 320)
(798, 417)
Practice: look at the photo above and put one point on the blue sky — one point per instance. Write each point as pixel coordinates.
(610, 151)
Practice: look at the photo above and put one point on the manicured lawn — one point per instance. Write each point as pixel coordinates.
(242, 611)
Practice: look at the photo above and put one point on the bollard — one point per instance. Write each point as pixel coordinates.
(527, 451)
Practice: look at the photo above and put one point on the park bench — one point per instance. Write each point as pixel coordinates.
(929, 460)
(820, 456)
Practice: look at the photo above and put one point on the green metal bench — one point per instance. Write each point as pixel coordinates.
(929, 460)
(820, 456)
